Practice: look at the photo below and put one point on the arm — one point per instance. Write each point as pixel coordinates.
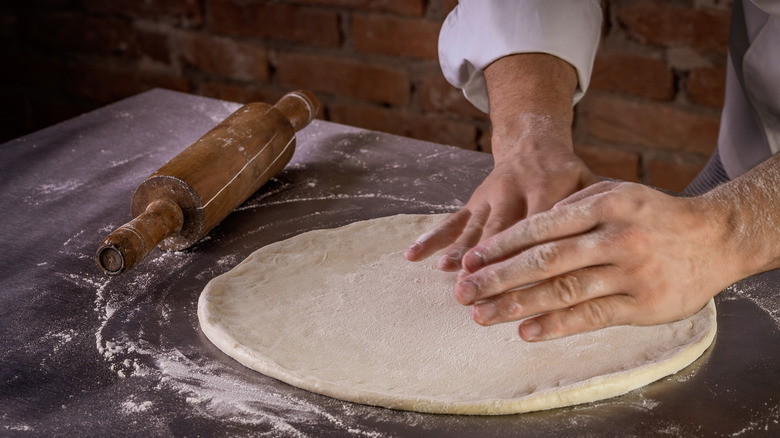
(535, 166)
(531, 116)
(526, 62)
(477, 33)
(622, 253)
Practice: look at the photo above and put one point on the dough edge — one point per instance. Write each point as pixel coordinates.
(586, 391)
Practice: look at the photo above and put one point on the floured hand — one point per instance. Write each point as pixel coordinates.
(531, 116)
(512, 191)
(612, 254)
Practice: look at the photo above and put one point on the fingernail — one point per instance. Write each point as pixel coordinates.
(474, 261)
(484, 312)
(448, 263)
(530, 330)
(465, 292)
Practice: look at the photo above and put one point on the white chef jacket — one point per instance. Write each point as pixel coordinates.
(478, 32)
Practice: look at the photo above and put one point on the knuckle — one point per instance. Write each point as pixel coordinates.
(554, 325)
(566, 289)
(508, 306)
(613, 204)
(491, 277)
(605, 205)
(597, 314)
(536, 227)
(456, 251)
(635, 238)
(497, 225)
(543, 257)
(513, 310)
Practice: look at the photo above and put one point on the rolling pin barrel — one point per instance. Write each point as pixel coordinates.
(189, 195)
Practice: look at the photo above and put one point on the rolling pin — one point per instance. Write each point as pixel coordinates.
(189, 195)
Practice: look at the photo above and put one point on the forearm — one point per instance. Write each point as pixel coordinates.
(535, 166)
(747, 213)
(530, 98)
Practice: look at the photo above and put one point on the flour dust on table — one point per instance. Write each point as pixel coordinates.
(340, 312)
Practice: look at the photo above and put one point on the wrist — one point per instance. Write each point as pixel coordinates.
(531, 102)
(733, 229)
(528, 134)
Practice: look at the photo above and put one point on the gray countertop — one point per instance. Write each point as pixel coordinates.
(82, 353)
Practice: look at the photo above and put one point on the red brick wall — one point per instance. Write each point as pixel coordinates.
(651, 115)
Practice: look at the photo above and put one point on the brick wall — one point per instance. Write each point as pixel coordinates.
(651, 116)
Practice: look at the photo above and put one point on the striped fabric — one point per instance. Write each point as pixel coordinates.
(712, 175)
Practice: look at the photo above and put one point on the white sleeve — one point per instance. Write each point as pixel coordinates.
(478, 32)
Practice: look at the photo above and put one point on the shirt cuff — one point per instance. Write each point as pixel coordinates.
(478, 32)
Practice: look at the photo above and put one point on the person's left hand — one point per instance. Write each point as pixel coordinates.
(514, 189)
(611, 254)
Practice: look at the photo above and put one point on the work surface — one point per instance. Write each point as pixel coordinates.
(82, 353)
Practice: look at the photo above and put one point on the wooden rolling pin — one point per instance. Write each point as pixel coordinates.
(190, 194)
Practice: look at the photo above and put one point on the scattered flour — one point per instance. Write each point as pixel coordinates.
(769, 303)
(18, 428)
(130, 309)
(61, 338)
(131, 406)
(51, 191)
(760, 424)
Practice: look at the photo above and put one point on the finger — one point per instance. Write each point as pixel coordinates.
(544, 200)
(540, 228)
(587, 316)
(439, 237)
(558, 293)
(502, 217)
(539, 263)
(592, 190)
(470, 236)
(541, 201)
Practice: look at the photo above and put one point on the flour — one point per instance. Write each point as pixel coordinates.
(61, 338)
(768, 303)
(217, 113)
(73, 247)
(123, 161)
(131, 406)
(18, 427)
(214, 391)
(51, 191)
(211, 389)
(761, 423)
(227, 261)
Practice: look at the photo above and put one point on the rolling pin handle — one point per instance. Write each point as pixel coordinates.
(300, 107)
(124, 248)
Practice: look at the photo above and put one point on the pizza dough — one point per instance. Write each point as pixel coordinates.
(341, 313)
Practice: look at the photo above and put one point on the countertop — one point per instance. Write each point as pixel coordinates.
(85, 354)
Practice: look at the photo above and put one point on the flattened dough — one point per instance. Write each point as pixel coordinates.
(341, 313)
